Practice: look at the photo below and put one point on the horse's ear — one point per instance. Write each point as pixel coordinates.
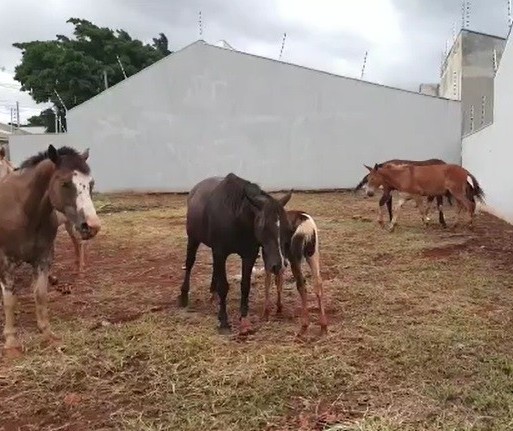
(85, 154)
(376, 167)
(53, 155)
(368, 168)
(285, 199)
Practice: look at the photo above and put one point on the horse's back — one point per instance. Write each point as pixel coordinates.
(196, 206)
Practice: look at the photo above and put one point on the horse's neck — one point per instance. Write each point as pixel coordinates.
(37, 200)
(394, 178)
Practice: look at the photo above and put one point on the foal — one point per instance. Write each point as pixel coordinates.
(54, 180)
(303, 245)
(434, 180)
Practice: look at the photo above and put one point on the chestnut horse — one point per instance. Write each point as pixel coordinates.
(386, 197)
(431, 180)
(54, 180)
(303, 245)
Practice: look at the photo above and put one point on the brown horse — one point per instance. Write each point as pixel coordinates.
(78, 244)
(303, 245)
(54, 180)
(386, 197)
(432, 180)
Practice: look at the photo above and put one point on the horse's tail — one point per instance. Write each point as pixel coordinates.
(361, 183)
(305, 240)
(476, 190)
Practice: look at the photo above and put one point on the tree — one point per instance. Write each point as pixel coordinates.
(74, 67)
(47, 119)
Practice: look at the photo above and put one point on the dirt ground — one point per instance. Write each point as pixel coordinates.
(419, 331)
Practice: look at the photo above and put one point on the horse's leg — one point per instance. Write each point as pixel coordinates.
(40, 287)
(314, 264)
(463, 203)
(439, 204)
(192, 248)
(429, 203)
(267, 301)
(386, 198)
(389, 207)
(213, 289)
(222, 289)
(402, 199)
(300, 283)
(279, 288)
(423, 208)
(245, 285)
(12, 346)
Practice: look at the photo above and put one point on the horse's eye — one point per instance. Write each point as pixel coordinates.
(67, 185)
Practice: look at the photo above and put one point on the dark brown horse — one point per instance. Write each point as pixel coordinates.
(386, 197)
(54, 180)
(232, 215)
(429, 180)
(303, 245)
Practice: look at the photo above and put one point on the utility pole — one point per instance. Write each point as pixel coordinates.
(282, 45)
(364, 64)
(17, 114)
(105, 80)
(121, 66)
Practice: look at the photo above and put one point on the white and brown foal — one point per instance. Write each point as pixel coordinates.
(304, 244)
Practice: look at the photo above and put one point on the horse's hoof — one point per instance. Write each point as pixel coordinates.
(245, 327)
(53, 280)
(224, 330)
(391, 228)
(183, 301)
(265, 315)
(324, 330)
(14, 352)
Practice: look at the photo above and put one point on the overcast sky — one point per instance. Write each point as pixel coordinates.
(405, 38)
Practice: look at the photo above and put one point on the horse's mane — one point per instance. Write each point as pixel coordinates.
(71, 159)
(236, 190)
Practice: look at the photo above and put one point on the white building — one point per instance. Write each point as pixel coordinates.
(488, 153)
(208, 110)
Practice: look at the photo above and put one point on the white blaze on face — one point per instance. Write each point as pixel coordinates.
(84, 201)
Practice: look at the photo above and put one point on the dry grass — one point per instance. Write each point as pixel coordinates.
(419, 335)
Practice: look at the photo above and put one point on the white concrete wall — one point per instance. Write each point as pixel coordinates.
(209, 111)
(24, 146)
(489, 152)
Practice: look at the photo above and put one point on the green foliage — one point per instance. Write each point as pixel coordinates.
(74, 67)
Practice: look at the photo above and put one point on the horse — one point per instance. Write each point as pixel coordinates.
(6, 166)
(50, 181)
(234, 216)
(427, 180)
(303, 245)
(386, 198)
(78, 244)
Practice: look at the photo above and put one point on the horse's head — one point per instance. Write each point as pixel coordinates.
(272, 228)
(70, 190)
(374, 180)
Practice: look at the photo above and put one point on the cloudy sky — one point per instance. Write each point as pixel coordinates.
(405, 38)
